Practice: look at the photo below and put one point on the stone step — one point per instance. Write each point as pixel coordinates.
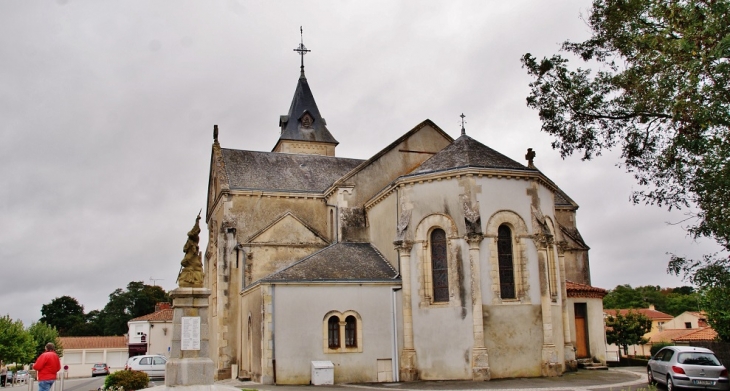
(596, 367)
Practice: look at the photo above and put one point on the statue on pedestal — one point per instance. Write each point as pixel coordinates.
(191, 270)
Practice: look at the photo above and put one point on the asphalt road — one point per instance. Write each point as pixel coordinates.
(623, 379)
(614, 379)
(81, 384)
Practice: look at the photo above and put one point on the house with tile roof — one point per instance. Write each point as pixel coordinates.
(683, 329)
(658, 318)
(687, 320)
(151, 333)
(436, 259)
(81, 353)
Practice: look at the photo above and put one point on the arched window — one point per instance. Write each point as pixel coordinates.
(350, 332)
(506, 263)
(342, 332)
(333, 332)
(439, 266)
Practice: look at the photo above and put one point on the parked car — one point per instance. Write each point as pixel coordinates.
(687, 367)
(21, 377)
(151, 364)
(99, 369)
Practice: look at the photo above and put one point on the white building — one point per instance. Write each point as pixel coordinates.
(151, 333)
(81, 353)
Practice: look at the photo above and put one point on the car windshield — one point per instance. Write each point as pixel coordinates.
(694, 358)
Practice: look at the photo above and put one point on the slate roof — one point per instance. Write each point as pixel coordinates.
(283, 171)
(302, 102)
(93, 342)
(573, 233)
(575, 289)
(344, 261)
(561, 199)
(164, 315)
(466, 152)
(651, 314)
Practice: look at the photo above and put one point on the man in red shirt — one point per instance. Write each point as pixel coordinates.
(47, 366)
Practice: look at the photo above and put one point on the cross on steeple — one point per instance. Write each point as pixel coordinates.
(463, 130)
(302, 50)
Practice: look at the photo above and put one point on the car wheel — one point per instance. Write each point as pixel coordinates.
(650, 376)
(670, 384)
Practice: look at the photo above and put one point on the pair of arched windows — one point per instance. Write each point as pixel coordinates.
(440, 266)
(342, 332)
(333, 332)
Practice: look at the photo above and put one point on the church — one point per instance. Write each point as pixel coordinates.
(435, 259)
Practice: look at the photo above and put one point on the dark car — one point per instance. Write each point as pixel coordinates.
(99, 369)
(687, 367)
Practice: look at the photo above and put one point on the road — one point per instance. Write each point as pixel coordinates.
(78, 384)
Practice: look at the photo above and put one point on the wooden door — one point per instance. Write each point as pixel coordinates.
(580, 338)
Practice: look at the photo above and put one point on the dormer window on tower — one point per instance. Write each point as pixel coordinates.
(306, 120)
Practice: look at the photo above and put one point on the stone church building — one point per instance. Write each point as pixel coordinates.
(436, 258)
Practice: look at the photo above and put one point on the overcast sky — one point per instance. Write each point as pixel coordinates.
(107, 111)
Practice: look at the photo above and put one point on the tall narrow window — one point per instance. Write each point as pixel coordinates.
(333, 332)
(439, 266)
(332, 225)
(506, 264)
(552, 273)
(350, 332)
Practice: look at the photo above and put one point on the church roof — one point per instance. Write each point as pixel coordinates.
(344, 261)
(283, 171)
(303, 102)
(466, 152)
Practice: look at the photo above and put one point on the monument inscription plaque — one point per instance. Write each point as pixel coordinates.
(190, 335)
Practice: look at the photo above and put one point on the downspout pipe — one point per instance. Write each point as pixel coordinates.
(394, 344)
(273, 332)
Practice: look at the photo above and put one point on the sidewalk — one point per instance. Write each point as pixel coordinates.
(615, 379)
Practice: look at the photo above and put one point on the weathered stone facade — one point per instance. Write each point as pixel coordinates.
(434, 259)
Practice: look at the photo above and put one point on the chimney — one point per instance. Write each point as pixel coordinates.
(162, 306)
(651, 307)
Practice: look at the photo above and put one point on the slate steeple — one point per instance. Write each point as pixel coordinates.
(303, 130)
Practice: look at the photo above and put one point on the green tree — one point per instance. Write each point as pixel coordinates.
(43, 334)
(672, 301)
(629, 329)
(137, 300)
(680, 300)
(661, 95)
(64, 313)
(16, 344)
(712, 276)
(623, 296)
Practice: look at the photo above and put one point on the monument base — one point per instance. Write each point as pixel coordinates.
(189, 371)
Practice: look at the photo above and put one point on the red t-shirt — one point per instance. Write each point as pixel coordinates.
(47, 366)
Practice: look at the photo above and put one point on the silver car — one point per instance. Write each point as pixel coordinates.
(151, 364)
(687, 367)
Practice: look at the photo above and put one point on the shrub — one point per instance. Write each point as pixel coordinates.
(129, 380)
(658, 346)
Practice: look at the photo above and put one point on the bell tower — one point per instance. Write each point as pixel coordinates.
(303, 130)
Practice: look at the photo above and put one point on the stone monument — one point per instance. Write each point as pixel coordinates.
(189, 367)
